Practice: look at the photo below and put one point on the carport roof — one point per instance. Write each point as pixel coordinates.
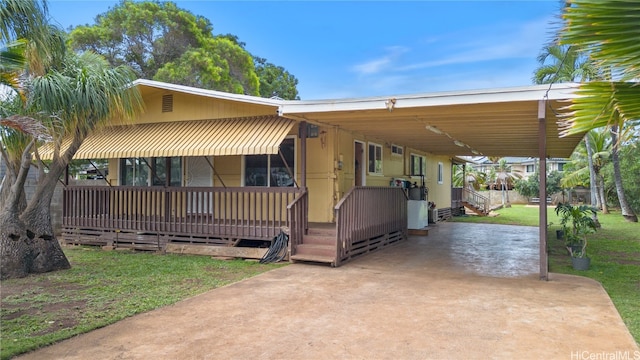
(495, 122)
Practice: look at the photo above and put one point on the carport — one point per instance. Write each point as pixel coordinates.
(425, 298)
(522, 121)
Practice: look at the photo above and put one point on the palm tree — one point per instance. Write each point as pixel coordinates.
(560, 63)
(63, 105)
(468, 177)
(505, 178)
(563, 63)
(607, 31)
(599, 142)
(627, 211)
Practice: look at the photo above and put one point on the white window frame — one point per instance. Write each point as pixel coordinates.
(376, 171)
(423, 164)
(440, 172)
(397, 150)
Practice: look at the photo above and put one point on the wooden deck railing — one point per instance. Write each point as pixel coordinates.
(241, 213)
(368, 218)
(297, 213)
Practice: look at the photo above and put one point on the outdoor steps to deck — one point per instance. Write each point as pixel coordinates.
(319, 245)
(476, 209)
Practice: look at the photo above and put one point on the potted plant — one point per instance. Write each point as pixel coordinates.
(577, 222)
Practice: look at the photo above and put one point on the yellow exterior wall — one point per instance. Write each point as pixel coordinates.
(193, 107)
(330, 156)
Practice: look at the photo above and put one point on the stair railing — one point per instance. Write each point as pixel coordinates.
(478, 201)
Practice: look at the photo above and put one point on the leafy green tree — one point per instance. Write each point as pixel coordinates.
(163, 42)
(219, 64)
(630, 168)
(530, 187)
(144, 35)
(275, 81)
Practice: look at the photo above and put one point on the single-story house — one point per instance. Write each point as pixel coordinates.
(215, 173)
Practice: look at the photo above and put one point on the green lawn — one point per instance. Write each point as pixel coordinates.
(614, 250)
(103, 287)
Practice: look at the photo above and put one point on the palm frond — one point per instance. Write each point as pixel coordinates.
(609, 30)
(601, 104)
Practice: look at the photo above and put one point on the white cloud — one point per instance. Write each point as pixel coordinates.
(497, 43)
(380, 64)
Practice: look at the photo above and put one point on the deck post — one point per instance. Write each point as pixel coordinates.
(303, 153)
(542, 154)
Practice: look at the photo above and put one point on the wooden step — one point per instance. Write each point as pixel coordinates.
(314, 249)
(325, 231)
(314, 258)
(319, 240)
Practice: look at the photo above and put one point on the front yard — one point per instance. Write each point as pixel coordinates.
(103, 287)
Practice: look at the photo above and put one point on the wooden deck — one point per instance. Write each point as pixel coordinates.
(235, 222)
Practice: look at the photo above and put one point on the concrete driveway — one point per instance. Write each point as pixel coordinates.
(467, 291)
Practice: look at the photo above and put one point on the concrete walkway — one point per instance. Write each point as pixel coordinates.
(467, 291)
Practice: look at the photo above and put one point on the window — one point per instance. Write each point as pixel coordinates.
(531, 168)
(396, 150)
(375, 159)
(151, 171)
(271, 170)
(418, 165)
(561, 166)
(440, 173)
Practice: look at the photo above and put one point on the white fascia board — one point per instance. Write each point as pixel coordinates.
(529, 93)
(208, 93)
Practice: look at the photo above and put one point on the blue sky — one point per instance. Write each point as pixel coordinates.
(345, 49)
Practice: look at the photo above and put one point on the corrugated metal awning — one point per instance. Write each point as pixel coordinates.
(219, 137)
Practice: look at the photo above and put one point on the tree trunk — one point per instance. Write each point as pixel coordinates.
(15, 259)
(627, 211)
(46, 251)
(595, 199)
(27, 239)
(593, 189)
(603, 200)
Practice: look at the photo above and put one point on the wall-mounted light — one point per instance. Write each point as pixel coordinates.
(434, 129)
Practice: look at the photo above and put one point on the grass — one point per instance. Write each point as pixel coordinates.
(103, 287)
(614, 251)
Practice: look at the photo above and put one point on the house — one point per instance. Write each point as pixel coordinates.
(524, 166)
(215, 173)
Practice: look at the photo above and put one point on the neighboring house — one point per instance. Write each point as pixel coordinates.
(215, 173)
(524, 166)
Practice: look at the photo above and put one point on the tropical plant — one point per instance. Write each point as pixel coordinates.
(577, 222)
(61, 106)
(468, 177)
(505, 178)
(608, 31)
(599, 141)
(563, 63)
(530, 187)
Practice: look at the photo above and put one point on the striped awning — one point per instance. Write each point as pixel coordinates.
(219, 137)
